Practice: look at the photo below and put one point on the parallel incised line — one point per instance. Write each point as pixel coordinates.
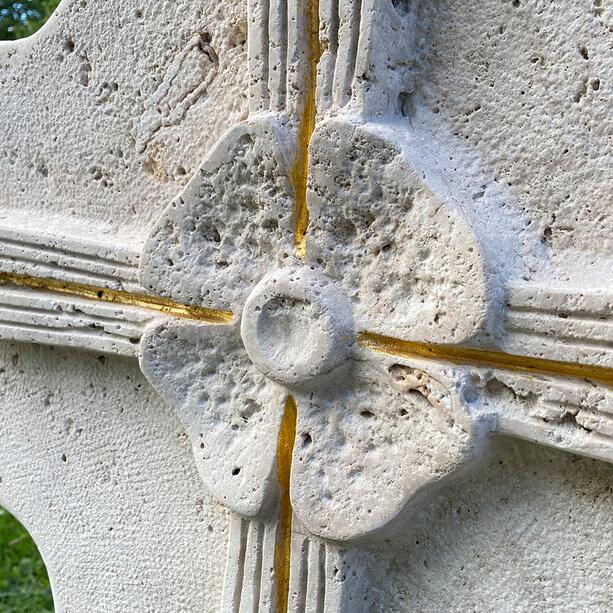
(484, 358)
(119, 297)
(299, 170)
(299, 180)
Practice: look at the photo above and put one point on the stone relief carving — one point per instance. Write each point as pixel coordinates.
(337, 324)
(388, 250)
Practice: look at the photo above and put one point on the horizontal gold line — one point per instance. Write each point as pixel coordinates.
(113, 296)
(483, 358)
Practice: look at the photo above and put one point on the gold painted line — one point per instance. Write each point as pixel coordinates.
(299, 171)
(484, 358)
(283, 545)
(113, 296)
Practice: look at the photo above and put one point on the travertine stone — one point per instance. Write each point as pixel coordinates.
(372, 446)
(207, 247)
(457, 184)
(107, 111)
(297, 328)
(101, 474)
(411, 259)
(228, 407)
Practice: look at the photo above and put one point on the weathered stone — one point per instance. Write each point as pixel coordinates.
(402, 251)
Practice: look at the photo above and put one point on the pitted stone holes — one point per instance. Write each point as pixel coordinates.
(403, 7)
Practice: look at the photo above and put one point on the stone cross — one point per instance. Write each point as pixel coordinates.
(339, 324)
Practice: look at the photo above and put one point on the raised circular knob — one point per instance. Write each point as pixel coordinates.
(297, 326)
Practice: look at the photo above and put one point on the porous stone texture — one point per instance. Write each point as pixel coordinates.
(297, 327)
(528, 531)
(228, 407)
(231, 222)
(101, 473)
(457, 186)
(527, 85)
(372, 445)
(409, 258)
(110, 108)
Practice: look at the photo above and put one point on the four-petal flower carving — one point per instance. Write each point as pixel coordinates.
(372, 434)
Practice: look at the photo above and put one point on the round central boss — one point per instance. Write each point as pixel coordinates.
(296, 325)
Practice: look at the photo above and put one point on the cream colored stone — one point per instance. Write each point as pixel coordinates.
(457, 187)
(108, 110)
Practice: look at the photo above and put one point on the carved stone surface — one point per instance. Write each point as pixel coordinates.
(108, 111)
(100, 473)
(351, 242)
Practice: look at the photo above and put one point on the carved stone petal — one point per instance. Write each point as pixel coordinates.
(231, 223)
(231, 412)
(406, 256)
(375, 448)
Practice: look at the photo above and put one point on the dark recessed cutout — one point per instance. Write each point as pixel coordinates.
(24, 584)
(403, 7)
(21, 18)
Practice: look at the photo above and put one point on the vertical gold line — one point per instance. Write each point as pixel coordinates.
(299, 171)
(283, 546)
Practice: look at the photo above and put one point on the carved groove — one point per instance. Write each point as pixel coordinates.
(572, 328)
(105, 295)
(258, 51)
(299, 574)
(310, 576)
(33, 316)
(58, 318)
(559, 414)
(249, 579)
(60, 271)
(282, 56)
(249, 583)
(66, 259)
(49, 254)
(170, 102)
(277, 71)
(350, 16)
(484, 358)
(330, 17)
(233, 583)
(554, 321)
(252, 567)
(283, 546)
(73, 315)
(317, 585)
(307, 111)
(93, 341)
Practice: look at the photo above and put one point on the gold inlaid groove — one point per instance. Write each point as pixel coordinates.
(484, 358)
(283, 546)
(298, 176)
(299, 171)
(119, 297)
